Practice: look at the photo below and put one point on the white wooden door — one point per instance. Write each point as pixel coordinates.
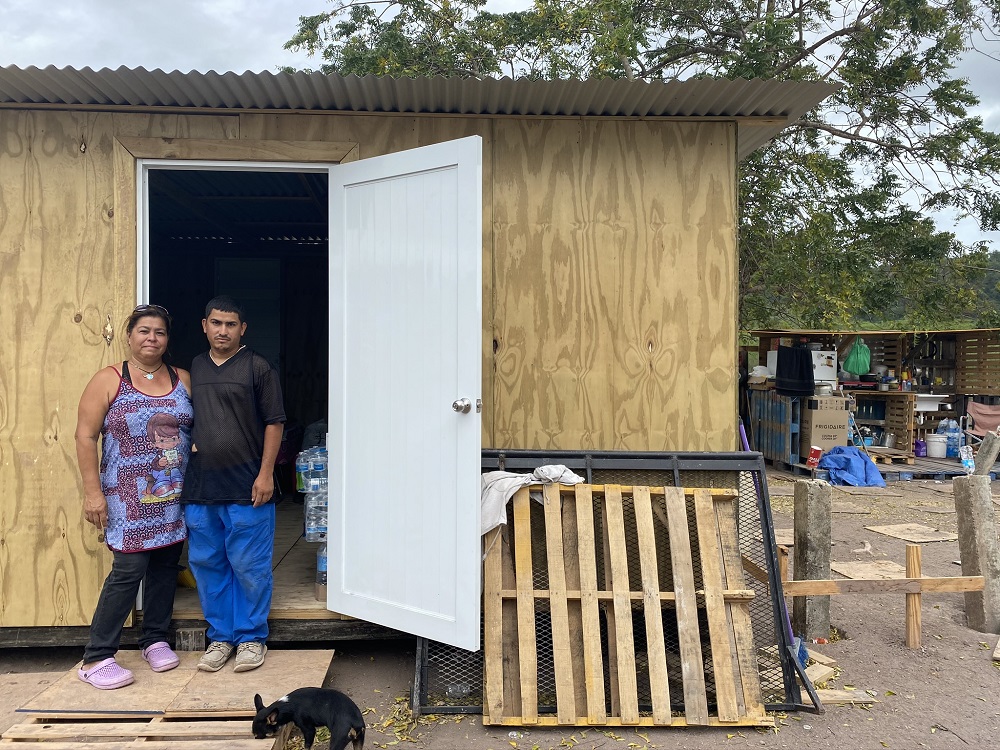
(405, 346)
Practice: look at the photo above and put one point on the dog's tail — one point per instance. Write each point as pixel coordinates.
(359, 736)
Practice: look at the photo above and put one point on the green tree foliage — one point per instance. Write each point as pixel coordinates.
(836, 223)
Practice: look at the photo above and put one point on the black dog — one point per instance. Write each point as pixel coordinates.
(309, 708)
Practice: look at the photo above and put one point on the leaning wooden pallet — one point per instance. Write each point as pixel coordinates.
(620, 566)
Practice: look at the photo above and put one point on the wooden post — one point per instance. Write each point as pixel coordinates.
(782, 563)
(913, 600)
(979, 549)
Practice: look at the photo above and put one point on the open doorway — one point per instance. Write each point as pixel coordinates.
(261, 236)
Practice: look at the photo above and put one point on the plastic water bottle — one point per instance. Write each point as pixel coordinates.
(316, 516)
(302, 467)
(954, 434)
(321, 564)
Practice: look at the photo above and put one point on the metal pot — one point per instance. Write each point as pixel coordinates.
(883, 386)
(823, 389)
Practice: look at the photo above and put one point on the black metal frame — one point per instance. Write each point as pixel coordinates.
(586, 463)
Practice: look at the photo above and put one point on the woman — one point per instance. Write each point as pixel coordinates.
(142, 410)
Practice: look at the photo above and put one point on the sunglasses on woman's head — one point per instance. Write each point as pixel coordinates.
(151, 308)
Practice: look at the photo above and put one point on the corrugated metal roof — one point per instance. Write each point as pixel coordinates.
(781, 102)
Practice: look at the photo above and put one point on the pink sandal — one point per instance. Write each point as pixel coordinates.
(107, 675)
(160, 656)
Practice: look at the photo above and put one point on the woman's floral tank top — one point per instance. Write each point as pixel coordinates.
(146, 442)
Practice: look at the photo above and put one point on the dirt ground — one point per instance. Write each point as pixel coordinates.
(944, 695)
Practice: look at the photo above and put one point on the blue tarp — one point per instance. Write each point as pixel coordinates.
(850, 465)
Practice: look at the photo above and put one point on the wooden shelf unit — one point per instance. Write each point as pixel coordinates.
(893, 411)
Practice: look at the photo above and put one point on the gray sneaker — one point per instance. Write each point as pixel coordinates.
(249, 655)
(215, 656)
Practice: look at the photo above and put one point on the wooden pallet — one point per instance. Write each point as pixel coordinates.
(881, 455)
(595, 568)
(74, 731)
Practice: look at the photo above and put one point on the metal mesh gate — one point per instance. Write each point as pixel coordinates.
(450, 680)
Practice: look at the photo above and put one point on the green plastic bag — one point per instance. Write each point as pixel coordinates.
(859, 361)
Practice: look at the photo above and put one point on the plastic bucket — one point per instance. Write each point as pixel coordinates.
(937, 446)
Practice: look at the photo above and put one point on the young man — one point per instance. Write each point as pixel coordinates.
(228, 488)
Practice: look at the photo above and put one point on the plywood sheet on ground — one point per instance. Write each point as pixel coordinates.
(781, 490)
(843, 506)
(876, 569)
(227, 691)
(943, 509)
(868, 491)
(914, 532)
(15, 688)
(185, 690)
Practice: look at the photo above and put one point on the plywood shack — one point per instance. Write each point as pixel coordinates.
(609, 256)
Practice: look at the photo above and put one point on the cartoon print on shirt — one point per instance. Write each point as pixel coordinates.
(164, 480)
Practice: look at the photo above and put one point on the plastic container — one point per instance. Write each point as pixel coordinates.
(316, 517)
(321, 564)
(937, 445)
(919, 448)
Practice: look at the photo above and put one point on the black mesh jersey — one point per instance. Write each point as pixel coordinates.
(232, 404)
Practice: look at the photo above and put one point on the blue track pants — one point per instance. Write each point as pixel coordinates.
(229, 551)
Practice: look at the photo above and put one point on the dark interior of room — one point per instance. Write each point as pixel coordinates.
(261, 236)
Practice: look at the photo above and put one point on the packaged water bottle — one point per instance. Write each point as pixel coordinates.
(968, 462)
(301, 470)
(954, 434)
(321, 563)
(316, 514)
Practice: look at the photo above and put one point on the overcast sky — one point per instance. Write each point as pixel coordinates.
(240, 35)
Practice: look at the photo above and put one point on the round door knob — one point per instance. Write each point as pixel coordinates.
(462, 405)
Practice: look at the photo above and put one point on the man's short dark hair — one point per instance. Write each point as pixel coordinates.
(224, 303)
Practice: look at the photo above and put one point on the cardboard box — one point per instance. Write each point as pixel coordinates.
(825, 428)
(817, 403)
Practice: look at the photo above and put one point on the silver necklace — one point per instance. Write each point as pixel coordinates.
(149, 373)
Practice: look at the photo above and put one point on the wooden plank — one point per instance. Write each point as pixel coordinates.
(831, 697)
(692, 667)
(180, 730)
(819, 673)
(884, 586)
(656, 654)
(624, 644)
(571, 556)
(819, 658)
(493, 706)
(593, 663)
(511, 648)
(528, 666)
(733, 595)
(236, 149)
(561, 655)
(739, 612)
(715, 608)
(913, 600)
(247, 743)
(549, 720)
(610, 621)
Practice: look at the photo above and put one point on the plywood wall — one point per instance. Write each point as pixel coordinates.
(609, 309)
(615, 274)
